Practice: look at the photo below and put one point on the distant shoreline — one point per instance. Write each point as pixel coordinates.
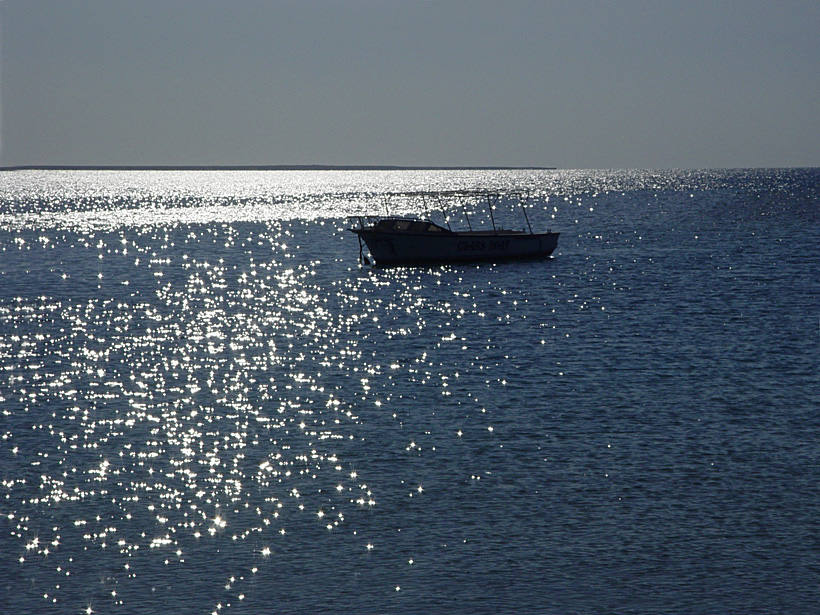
(280, 167)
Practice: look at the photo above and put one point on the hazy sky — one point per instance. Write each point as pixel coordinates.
(575, 84)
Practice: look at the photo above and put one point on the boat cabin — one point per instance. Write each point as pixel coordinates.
(409, 225)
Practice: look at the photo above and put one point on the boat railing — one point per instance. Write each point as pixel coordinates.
(465, 197)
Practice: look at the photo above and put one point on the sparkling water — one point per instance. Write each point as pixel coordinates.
(207, 405)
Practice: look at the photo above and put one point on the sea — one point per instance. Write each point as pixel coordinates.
(209, 404)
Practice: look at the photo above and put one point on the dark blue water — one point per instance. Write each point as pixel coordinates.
(207, 405)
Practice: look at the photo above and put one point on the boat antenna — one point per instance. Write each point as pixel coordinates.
(441, 205)
(524, 209)
(464, 207)
(490, 203)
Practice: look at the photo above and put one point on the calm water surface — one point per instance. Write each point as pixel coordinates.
(208, 406)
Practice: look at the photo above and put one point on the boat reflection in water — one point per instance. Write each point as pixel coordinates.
(399, 240)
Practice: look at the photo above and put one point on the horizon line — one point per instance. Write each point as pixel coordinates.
(274, 167)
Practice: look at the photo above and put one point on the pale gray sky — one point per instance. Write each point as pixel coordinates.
(575, 84)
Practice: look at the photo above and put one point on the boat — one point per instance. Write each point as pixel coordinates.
(395, 240)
